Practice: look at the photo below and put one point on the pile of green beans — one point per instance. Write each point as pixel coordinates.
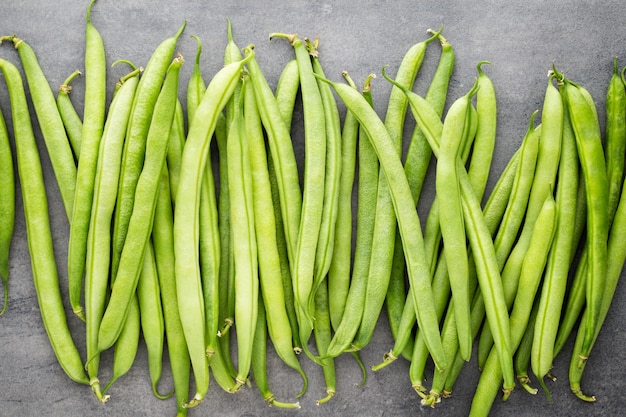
(212, 262)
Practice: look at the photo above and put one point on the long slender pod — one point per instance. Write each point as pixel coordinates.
(93, 125)
(341, 263)
(615, 265)
(259, 361)
(270, 273)
(151, 313)
(135, 144)
(557, 269)
(40, 246)
(50, 122)
(163, 242)
(593, 165)
(98, 243)
(245, 250)
(408, 220)
(367, 185)
(332, 176)
(186, 239)
(7, 207)
(303, 264)
(480, 240)
(142, 218)
(281, 150)
(381, 260)
(530, 279)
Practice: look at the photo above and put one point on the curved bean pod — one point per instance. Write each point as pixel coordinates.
(98, 255)
(93, 125)
(270, 274)
(195, 154)
(50, 122)
(408, 220)
(71, 119)
(40, 246)
(142, 217)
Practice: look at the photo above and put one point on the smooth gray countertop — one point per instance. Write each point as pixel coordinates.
(521, 39)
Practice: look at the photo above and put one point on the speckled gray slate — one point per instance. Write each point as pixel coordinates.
(521, 39)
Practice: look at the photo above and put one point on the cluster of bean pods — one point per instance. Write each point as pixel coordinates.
(160, 247)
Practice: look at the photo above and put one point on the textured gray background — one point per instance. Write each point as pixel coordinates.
(521, 39)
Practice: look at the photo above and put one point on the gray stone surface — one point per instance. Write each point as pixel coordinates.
(521, 39)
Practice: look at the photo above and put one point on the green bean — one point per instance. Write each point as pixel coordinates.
(71, 119)
(484, 144)
(270, 274)
(195, 154)
(93, 124)
(480, 240)
(163, 241)
(524, 351)
(152, 326)
(142, 217)
(227, 268)
(614, 154)
(281, 150)
(38, 231)
(509, 227)
(126, 345)
(209, 233)
(451, 216)
(557, 270)
(244, 242)
(615, 142)
(135, 145)
(287, 89)
(591, 155)
(367, 185)
(322, 340)
(339, 272)
(259, 362)
(450, 340)
(385, 221)
(313, 185)
(103, 203)
(330, 207)
(545, 175)
(493, 211)
(408, 220)
(415, 166)
(196, 85)
(210, 253)
(50, 122)
(175, 148)
(530, 278)
(232, 53)
(281, 244)
(7, 208)
(286, 93)
(616, 255)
